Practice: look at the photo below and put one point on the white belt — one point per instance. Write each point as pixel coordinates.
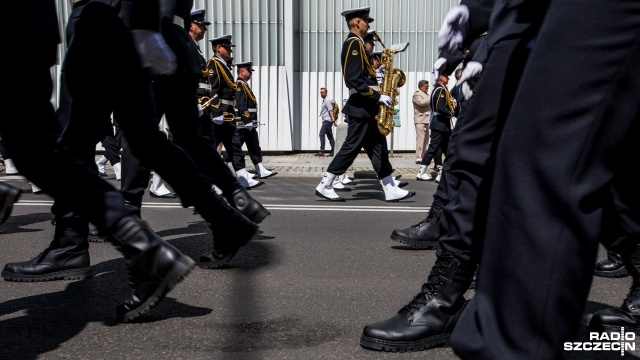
(178, 20)
(227, 102)
(249, 110)
(204, 86)
(354, 91)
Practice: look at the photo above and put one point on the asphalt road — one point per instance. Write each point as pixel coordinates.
(317, 273)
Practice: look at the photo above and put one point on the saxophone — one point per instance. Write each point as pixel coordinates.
(392, 79)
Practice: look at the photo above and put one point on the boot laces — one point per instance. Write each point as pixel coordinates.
(431, 287)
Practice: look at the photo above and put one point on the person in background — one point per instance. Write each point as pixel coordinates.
(421, 113)
(328, 122)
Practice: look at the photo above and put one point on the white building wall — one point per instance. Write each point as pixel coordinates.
(295, 46)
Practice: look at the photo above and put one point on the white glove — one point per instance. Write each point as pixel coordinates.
(469, 78)
(453, 122)
(154, 51)
(385, 99)
(249, 125)
(454, 28)
(218, 120)
(438, 67)
(200, 110)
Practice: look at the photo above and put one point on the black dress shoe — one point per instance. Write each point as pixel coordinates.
(429, 319)
(330, 154)
(227, 241)
(611, 267)
(319, 153)
(402, 184)
(9, 195)
(96, 236)
(155, 267)
(103, 174)
(165, 196)
(248, 206)
(66, 257)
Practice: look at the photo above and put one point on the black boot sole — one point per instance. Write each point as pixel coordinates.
(178, 272)
(404, 346)
(219, 263)
(622, 272)
(71, 274)
(426, 245)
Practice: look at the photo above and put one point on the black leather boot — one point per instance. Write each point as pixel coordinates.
(155, 266)
(230, 228)
(66, 258)
(429, 319)
(247, 205)
(612, 266)
(628, 315)
(425, 234)
(9, 194)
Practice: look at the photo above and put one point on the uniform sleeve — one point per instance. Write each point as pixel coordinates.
(214, 82)
(242, 103)
(479, 16)
(354, 69)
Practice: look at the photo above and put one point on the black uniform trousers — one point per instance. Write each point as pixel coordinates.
(176, 97)
(112, 144)
(36, 133)
(543, 228)
(252, 140)
(124, 90)
(362, 133)
(468, 165)
(438, 144)
(227, 134)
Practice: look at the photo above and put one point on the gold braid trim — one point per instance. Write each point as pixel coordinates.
(248, 92)
(226, 78)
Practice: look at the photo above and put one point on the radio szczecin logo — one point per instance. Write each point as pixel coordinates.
(615, 341)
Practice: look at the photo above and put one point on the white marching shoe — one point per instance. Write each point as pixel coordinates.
(10, 168)
(35, 189)
(393, 193)
(400, 183)
(345, 179)
(117, 169)
(101, 163)
(423, 175)
(337, 184)
(263, 173)
(325, 188)
(158, 189)
(246, 180)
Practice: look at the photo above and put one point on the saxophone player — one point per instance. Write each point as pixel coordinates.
(362, 108)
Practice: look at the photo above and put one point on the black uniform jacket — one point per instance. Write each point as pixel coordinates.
(442, 108)
(359, 76)
(223, 87)
(246, 103)
(175, 21)
(203, 86)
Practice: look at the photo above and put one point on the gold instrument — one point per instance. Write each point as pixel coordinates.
(205, 101)
(392, 79)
